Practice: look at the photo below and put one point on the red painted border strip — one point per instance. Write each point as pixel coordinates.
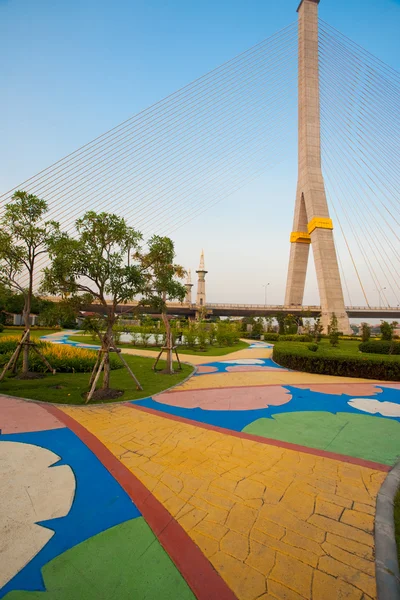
(268, 441)
(198, 572)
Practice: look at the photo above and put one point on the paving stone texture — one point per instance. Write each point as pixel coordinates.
(276, 521)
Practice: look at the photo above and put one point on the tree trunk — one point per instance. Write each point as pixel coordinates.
(25, 315)
(108, 340)
(169, 368)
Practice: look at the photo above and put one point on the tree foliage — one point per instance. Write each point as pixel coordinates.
(317, 329)
(387, 330)
(334, 331)
(103, 263)
(365, 332)
(162, 283)
(24, 236)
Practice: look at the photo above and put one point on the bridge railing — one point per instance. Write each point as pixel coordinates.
(276, 307)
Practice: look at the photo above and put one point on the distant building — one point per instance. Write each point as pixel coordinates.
(17, 320)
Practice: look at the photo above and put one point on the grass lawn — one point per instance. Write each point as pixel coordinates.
(35, 333)
(73, 385)
(397, 522)
(210, 351)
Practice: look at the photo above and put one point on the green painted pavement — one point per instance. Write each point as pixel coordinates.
(126, 561)
(362, 436)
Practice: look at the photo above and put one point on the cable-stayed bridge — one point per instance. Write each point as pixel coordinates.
(191, 310)
(165, 166)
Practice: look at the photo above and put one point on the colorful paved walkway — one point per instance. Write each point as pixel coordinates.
(248, 481)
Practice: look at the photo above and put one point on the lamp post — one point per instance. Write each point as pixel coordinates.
(265, 294)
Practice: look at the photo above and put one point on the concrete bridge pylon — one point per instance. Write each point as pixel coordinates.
(312, 224)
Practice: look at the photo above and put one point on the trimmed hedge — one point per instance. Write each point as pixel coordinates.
(271, 337)
(299, 358)
(296, 338)
(275, 337)
(381, 347)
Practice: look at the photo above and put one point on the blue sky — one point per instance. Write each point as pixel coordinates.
(70, 71)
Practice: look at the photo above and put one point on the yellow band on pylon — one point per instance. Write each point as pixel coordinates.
(319, 223)
(300, 236)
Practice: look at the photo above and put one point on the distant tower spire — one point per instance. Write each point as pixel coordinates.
(188, 286)
(201, 266)
(201, 282)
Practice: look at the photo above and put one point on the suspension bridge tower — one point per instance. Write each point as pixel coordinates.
(312, 224)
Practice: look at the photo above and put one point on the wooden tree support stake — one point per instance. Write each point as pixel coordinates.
(14, 356)
(93, 375)
(92, 389)
(166, 349)
(131, 373)
(12, 363)
(44, 359)
(13, 366)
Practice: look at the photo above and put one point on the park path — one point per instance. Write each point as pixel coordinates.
(276, 521)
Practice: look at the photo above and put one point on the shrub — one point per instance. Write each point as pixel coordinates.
(275, 337)
(212, 334)
(380, 347)
(65, 359)
(295, 338)
(318, 329)
(1, 327)
(145, 335)
(365, 332)
(333, 331)
(257, 329)
(299, 358)
(8, 343)
(313, 347)
(227, 334)
(189, 335)
(387, 330)
(157, 337)
(271, 337)
(202, 336)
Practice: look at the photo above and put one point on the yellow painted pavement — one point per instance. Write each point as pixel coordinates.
(278, 377)
(276, 524)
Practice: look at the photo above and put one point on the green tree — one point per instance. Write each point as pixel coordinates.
(58, 314)
(291, 324)
(202, 336)
(365, 332)
(103, 263)
(280, 317)
(190, 335)
(162, 284)
(258, 328)
(212, 334)
(24, 237)
(318, 329)
(247, 321)
(334, 331)
(95, 325)
(387, 330)
(269, 322)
